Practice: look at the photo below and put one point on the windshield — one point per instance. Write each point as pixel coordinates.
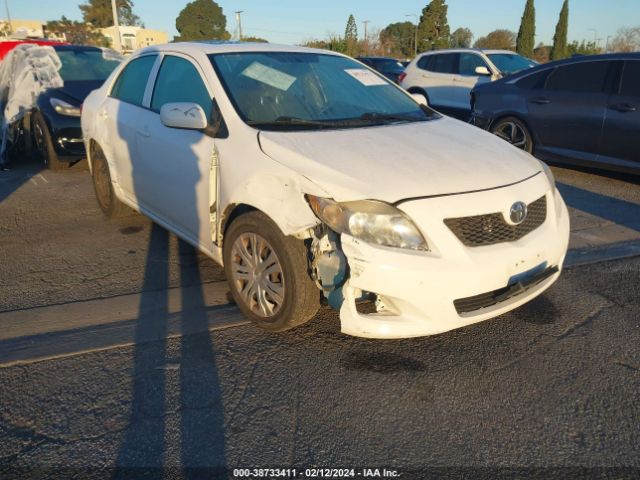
(84, 65)
(509, 63)
(284, 90)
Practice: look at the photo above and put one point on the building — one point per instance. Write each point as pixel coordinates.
(132, 38)
(22, 29)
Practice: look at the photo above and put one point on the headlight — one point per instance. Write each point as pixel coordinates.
(64, 108)
(549, 174)
(370, 221)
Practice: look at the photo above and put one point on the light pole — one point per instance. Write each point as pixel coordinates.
(6, 5)
(117, 44)
(415, 40)
(239, 21)
(366, 43)
(607, 46)
(595, 35)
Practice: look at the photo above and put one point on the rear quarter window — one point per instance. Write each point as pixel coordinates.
(533, 81)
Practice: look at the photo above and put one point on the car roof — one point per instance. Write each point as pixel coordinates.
(213, 47)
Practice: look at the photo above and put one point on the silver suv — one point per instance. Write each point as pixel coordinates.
(446, 77)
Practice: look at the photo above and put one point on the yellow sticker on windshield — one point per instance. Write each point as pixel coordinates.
(365, 77)
(270, 76)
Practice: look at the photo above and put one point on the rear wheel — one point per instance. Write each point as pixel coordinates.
(514, 131)
(268, 274)
(103, 186)
(44, 145)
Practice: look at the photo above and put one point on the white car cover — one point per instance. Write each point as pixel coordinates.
(25, 73)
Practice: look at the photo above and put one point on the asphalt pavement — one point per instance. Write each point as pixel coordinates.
(117, 348)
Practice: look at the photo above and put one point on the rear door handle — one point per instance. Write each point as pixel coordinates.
(623, 107)
(104, 115)
(541, 101)
(143, 133)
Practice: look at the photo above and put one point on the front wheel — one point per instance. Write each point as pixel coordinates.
(103, 186)
(515, 132)
(44, 144)
(268, 274)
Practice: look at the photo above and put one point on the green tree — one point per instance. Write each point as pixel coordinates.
(401, 36)
(434, 27)
(201, 20)
(100, 14)
(78, 33)
(351, 36)
(582, 48)
(461, 38)
(498, 39)
(527, 32)
(560, 49)
(254, 39)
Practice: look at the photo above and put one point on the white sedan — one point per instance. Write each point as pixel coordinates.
(308, 175)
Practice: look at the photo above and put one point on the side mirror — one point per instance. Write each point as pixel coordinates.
(183, 115)
(484, 71)
(421, 99)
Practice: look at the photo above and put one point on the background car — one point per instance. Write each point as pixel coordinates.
(390, 67)
(446, 77)
(582, 111)
(52, 128)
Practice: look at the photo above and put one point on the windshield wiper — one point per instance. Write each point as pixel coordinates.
(303, 122)
(394, 117)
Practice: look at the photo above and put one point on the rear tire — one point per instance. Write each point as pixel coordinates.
(514, 131)
(44, 144)
(103, 186)
(268, 274)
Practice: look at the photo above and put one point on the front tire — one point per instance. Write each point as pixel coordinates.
(103, 186)
(268, 274)
(44, 145)
(514, 131)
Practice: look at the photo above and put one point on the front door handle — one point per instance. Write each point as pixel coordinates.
(143, 133)
(541, 101)
(623, 107)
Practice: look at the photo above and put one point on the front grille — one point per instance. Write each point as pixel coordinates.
(489, 229)
(484, 300)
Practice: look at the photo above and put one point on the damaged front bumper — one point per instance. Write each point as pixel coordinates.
(425, 293)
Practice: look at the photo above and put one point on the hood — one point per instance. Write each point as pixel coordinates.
(76, 90)
(396, 162)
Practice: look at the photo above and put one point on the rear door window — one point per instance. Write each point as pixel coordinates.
(445, 63)
(584, 77)
(631, 79)
(132, 82)
(179, 81)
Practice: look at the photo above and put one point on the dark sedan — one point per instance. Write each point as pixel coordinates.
(55, 122)
(388, 66)
(582, 111)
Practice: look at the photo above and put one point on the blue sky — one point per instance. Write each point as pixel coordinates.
(293, 21)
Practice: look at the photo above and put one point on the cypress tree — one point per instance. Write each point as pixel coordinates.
(560, 48)
(351, 32)
(526, 35)
(434, 26)
(351, 37)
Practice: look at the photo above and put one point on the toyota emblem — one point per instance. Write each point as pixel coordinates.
(518, 213)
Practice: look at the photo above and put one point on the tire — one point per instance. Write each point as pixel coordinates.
(103, 187)
(281, 300)
(514, 131)
(44, 145)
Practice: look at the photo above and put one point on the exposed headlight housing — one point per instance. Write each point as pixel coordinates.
(64, 108)
(549, 174)
(370, 221)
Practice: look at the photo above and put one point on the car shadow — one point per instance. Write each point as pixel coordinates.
(609, 208)
(149, 444)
